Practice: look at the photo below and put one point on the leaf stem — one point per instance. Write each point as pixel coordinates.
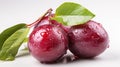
(39, 19)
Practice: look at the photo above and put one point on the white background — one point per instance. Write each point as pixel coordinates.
(107, 13)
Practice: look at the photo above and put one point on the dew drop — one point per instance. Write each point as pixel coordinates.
(62, 37)
(76, 31)
(108, 46)
(58, 32)
(47, 29)
(44, 34)
(50, 39)
(84, 32)
(92, 37)
(96, 27)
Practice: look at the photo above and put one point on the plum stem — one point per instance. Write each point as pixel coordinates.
(39, 19)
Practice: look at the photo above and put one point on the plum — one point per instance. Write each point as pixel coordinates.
(88, 40)
(48, 43)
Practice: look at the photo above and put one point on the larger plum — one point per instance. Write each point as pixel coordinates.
(88, 40)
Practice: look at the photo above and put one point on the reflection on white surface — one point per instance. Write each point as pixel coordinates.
(103, 60)
(107, 13)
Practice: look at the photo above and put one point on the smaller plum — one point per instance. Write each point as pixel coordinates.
(47, 43)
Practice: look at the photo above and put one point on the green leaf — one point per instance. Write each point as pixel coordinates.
(11, 45)
(70, 13)
(8, 32)
(25, 40)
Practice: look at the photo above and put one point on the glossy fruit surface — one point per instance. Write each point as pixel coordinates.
(47, 43)
(88, 40)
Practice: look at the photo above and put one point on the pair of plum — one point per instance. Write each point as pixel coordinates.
(50, 40)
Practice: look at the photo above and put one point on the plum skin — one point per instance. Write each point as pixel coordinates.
(88, 40)
(47, 43)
